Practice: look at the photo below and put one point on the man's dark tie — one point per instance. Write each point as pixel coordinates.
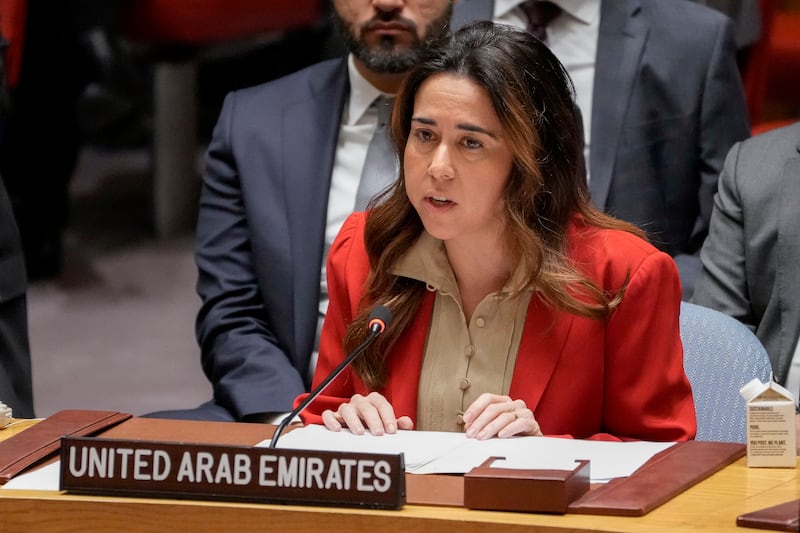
(539, 13)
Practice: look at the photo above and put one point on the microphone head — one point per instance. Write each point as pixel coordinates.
(379, 318)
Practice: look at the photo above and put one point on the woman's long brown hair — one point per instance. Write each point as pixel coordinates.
(534, 100)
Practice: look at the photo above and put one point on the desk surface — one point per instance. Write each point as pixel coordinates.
(712, 504)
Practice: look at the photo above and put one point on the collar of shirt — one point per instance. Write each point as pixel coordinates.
(362, 94)
(585, 11)
(426, 261)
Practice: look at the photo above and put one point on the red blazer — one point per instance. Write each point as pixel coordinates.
(616, 379)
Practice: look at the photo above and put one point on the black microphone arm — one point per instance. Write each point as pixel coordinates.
(379, 318)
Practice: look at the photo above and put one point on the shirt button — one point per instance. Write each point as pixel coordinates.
(464, 384)
(460, 420)
(480, 322)
(469, 350)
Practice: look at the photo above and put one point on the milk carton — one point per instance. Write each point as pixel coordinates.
(770, 424)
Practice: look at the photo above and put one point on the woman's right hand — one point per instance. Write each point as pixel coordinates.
(373, 411)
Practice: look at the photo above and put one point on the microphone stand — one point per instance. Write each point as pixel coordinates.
(374, 331)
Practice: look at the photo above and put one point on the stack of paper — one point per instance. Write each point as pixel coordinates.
(432, 452)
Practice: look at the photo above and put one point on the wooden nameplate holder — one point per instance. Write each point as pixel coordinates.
(535, 491)
(160, 469)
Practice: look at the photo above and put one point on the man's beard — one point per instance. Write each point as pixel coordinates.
(388, 56)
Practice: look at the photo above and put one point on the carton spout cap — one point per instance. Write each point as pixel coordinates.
(751, 389)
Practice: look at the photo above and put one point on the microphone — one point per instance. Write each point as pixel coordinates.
(379, 318)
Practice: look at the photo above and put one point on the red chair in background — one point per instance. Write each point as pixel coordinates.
(754, 74)
(210, 22)
(12, 26)
(783, 78)
(772, 74)
(197, 29)
(764, 127)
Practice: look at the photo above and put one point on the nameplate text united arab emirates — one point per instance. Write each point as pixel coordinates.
(238, 473)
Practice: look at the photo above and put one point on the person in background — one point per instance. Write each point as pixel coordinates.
(74, 84)
(16, 386)
(662, 103)
(751, 259)
(283, 170)
(518, 307)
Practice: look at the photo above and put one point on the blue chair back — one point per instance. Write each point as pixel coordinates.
(720, 354)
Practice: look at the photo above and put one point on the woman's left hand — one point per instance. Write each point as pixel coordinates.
(492, 415)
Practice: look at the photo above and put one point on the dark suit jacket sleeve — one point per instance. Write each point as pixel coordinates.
(16, 388)
(723, 284)
(751, 256)
(249, 370)
(723, 123)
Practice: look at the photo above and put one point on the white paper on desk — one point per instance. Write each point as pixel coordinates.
(418, 447)
(608, 460)
(432, 452)
(44, 478)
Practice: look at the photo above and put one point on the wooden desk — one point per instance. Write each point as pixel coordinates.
(711, 505)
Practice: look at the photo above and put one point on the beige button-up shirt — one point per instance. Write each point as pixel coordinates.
(462, 360)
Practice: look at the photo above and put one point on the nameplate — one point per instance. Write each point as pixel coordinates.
(236, 473)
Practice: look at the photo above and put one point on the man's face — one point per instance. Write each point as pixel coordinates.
(388, 36)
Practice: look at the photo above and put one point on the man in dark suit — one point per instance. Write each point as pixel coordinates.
(16, 389)
(282, 171)
(751, 259)
(665, 104)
